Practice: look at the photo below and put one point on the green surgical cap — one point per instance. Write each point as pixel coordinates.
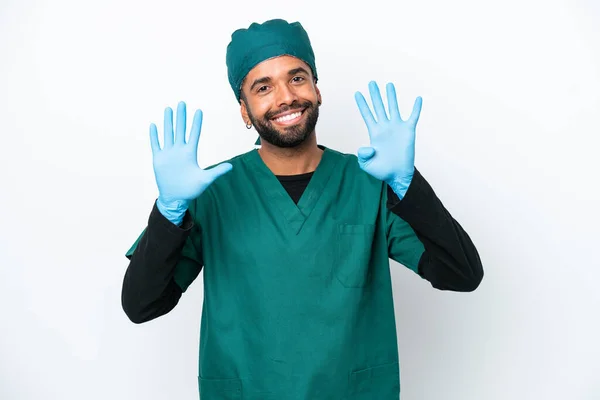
(260, 42)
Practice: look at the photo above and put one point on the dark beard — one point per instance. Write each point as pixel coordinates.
(294, 135)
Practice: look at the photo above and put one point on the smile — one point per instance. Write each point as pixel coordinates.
(289, 119)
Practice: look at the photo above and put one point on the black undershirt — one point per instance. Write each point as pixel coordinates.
(295, 185)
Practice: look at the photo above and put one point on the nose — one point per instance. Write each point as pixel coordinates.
(286, 95)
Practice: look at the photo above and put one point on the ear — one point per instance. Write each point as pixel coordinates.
(244, 112)
(319, 99)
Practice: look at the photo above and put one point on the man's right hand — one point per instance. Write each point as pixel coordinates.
(178, 176)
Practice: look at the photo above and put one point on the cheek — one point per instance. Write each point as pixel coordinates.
(258, 110)
(312, 96)
(253, 112)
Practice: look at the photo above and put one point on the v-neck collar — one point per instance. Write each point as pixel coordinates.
(295, 214)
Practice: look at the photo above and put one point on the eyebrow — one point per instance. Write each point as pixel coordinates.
(267, 79)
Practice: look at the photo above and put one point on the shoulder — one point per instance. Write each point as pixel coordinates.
(365, 193)
(348, 164)
(340, 154)
(235, 160)
(226, 182)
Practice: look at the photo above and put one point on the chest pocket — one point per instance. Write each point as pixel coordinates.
(354, 249)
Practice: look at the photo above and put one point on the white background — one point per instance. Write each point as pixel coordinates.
(508, 138)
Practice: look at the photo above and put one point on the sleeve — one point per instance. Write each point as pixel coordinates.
(163, 262)
(403, 244)
(425, 237)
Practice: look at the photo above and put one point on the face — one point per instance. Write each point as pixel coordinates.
(281, 99)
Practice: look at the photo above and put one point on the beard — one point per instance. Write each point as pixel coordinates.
(290, 136)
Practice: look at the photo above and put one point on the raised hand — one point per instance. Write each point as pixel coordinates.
(178, 176)
(391, 156)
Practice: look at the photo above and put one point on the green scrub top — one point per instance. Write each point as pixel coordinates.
(298, 298)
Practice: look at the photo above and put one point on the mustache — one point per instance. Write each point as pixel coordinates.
(295, 106)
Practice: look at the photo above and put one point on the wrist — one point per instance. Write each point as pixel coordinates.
(400, 184)
(173, 210)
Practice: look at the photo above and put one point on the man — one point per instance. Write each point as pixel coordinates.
(294, 239)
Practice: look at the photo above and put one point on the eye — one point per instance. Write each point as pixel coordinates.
(262, 89)
(297, 79)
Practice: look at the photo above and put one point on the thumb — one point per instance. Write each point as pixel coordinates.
(219, 170)
(365, 154)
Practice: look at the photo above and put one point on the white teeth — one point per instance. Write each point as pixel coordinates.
(289, 117)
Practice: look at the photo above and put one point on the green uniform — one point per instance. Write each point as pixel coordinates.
(297, 297)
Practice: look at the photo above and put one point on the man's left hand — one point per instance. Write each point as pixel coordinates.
(391, 156)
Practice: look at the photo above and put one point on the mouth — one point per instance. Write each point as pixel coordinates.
(289, 118)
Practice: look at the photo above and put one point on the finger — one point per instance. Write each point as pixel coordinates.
(416, 112)
(377, 102)
(181, 122)
(168, 141)
(365, 154)
(365, 111)
(218, 171)
(154, 139)
(196, 128)
(392, 102)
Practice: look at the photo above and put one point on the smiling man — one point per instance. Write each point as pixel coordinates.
(288, 126)
(293, 239)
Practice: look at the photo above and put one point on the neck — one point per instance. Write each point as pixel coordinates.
(292, 161)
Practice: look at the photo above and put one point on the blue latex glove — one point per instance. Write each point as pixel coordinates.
(391, 156)
(178, 176)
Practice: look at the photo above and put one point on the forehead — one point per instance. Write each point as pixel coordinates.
(275, 67)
